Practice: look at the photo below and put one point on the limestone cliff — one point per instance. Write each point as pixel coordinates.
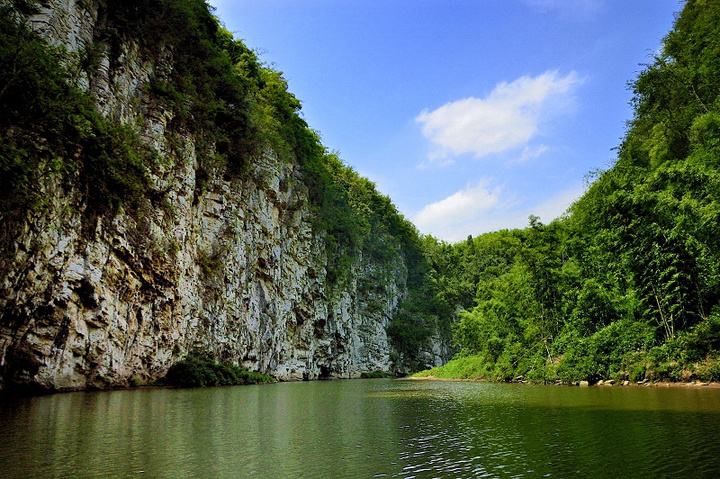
(237, 270)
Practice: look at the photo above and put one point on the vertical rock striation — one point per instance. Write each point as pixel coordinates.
(237, 271)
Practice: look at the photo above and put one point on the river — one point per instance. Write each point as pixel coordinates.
(364, 428)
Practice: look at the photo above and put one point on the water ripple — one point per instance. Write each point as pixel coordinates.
(364, 429)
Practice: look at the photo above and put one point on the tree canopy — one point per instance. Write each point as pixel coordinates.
(628, 284)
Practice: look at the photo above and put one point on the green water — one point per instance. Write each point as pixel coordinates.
(365, 428)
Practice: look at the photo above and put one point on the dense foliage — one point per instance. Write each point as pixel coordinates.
(50, 126)
(198, 370)
(628, 284)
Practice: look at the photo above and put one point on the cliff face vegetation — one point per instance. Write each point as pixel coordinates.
(162, 196)
(627, 285)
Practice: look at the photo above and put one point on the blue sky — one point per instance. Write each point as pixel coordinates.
(470, 115)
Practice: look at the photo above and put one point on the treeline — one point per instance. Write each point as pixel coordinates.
(627, 285)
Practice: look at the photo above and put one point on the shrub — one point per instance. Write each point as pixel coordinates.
(601, 355)
(202, 371)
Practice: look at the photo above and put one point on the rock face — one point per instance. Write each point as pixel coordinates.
(237, 272)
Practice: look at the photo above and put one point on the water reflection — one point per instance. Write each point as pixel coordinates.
(471, 430)
(367, 428)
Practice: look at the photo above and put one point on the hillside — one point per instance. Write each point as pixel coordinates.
(627, 285)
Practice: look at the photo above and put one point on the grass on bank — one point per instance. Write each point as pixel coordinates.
(466, 367)
(653, 365)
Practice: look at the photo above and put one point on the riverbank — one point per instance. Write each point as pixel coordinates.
(189, 375)
(608, 383)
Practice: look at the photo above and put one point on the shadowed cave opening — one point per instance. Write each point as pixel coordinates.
(324, 373)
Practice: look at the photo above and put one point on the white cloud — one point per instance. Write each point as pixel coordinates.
(458, 208)
(507, 118)
(482, 208)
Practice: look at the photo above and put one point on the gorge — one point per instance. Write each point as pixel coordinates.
(164, 198)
